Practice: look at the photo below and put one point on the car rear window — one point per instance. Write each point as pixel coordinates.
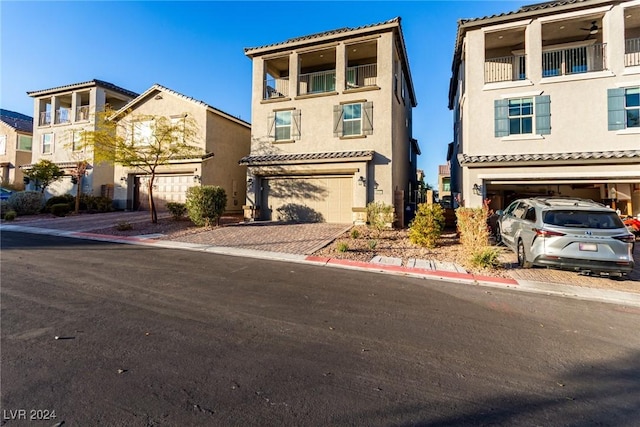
(583, 219)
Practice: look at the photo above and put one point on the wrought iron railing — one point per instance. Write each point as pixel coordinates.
(505, 68)
(632, 52)
(583, 59)
(323, 81)
(361, 76)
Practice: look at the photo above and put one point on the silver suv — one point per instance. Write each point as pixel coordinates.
(568, 233)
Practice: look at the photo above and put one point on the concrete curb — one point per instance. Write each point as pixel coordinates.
(577, 292)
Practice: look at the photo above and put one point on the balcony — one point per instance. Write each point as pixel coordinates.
(276, 88)
(361, 76)
(505, 69)
(632, 52)
(583, 59)
(45, 118)
(318, 82)
(82, 113)
(63, 116)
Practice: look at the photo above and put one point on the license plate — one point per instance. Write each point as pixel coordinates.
(588, 247)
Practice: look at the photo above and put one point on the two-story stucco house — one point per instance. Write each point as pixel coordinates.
(332, 125)
(16, 132)
(223, 139)
(546, 101)
(61, 114)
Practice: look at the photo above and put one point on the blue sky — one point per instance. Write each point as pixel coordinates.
(197, 49)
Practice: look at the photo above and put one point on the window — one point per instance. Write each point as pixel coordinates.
(77, 143)
(47, 143)
(624, 108)
(24, 143)
(523, 116)
(178, 129)
(353, 119)
(283, 125)
(3, 144)
(446, 184)
(143, 132)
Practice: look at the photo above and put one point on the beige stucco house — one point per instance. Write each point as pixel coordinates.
(61, 115)
(16, 135)
(223, 138)
(444, 184)
(332, 126)
(546, 102)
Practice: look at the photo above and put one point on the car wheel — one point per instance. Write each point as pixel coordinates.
(522, 258)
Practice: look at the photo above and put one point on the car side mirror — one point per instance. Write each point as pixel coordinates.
(499, 212)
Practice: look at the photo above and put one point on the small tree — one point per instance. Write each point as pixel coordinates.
(44, 173)
(426, 228)
(206, 204)
(380, 216)
(77, 176)
(143, 142)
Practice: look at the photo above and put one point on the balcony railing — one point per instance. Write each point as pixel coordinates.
(323, 81)
(504, 69)
(632, 52)
(585, 59)
(361, 76)
(276, 88)
(45, 118)
(63, 116)
(82, 113)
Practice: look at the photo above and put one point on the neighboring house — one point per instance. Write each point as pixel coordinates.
(332, 126)
(61, 114)
(224, 140)
(444, 185)
(546, 102)
(16, 135)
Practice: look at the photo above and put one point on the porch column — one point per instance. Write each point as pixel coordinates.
(294, 72)
(341, 67)
(533, 51)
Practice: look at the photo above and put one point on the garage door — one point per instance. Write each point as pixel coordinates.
(315, 199)
(167, 188)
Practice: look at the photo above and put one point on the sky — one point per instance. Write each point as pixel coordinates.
(197, 49)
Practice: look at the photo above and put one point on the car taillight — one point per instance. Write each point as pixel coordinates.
(627, 238)
(546, 233)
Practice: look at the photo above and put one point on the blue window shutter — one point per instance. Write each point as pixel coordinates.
(615, 104)
(543, 115)
(501, 107)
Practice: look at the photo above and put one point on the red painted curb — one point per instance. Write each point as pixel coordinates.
(112, 237)
(320, 259)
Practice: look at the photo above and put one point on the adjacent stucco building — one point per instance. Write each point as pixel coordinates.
(332, 126)
(546, 102)
(16, 136)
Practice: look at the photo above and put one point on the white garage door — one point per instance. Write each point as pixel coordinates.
(316, 199)
(167, 188)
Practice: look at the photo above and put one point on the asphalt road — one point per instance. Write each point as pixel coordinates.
(151, 337)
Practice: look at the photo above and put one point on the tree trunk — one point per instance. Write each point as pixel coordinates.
(152, 205)
(78, 193)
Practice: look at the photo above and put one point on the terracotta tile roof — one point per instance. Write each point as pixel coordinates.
(323, 34)
(160, 88)
(19, 122)
(274, 159)
(90, 83)
(465, 159)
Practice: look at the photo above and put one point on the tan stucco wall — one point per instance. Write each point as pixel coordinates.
(12, 155)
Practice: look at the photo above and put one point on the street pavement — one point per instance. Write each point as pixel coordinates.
(294, 243)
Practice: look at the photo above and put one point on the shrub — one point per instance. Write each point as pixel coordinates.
(10, 215)
(474, 233)
(380, 215)
(372, 244)
(177, 210)
(60, 209)
(342, 247)
(426, 228)
(355, 233)
(124, 226)
(4, 207)
(486, 257)
(55, 200)
(26, 202)
(92, 204)
(205, 204)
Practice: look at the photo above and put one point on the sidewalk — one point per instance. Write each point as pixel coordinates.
(244, 241)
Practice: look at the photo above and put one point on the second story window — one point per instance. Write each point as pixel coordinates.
(523, 116)
(24, 143)
(353, 119)
(284, 125)
(624, 108)
(47, 143)
(3, 144)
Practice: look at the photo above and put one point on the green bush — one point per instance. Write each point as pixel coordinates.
(124, 226)
(55, 200)
(426, 228)
(486, 257)
(177, 210)
(26, 202)
(94, 204)
(372, 244)
(205, 204)
(342, 247)
(4, 207)
(380, 215)
(10, 215)
(60, 209)
(474, 236)
(355, 233)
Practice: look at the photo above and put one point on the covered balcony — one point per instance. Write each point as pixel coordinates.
(317, 72)
(632, 37)
(573, 47)
(504, 56)
(63, 109)
(362, 60)
(276, 78)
